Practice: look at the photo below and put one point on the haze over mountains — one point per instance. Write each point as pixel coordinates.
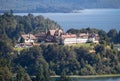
(55, 5)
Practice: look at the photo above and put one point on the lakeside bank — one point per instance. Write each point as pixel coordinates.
(89, 76)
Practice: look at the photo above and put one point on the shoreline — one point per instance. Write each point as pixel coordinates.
(89, 76)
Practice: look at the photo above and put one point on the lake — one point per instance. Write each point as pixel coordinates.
(94, 18)
(104, 79)
(93, 79)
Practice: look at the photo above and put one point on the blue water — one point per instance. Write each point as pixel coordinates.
(97, 80)
(105, 19)
(102, 79)
(92, 79)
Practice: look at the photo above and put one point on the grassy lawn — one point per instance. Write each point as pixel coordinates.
(18, 49)
(88, 45)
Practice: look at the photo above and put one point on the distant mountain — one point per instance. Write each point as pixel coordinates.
(55, 5)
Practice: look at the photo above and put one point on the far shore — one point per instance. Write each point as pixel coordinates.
(89, 76)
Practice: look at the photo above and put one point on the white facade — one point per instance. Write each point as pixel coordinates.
(78, 40)
(82, 40)
(29, 41)
(69, 40)
(74, 40)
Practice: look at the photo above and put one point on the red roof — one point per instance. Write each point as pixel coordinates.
(29, 36)
(40, 34)
(83, 35)
(69, 36)
(52, 32)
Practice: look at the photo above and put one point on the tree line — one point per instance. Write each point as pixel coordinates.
(11, 27)
(46, 60)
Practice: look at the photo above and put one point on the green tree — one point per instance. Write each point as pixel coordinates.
(31, 58)
(99, 48)
(5, 73)
(43, 74)
(64, 78)
(112, 34)
(22, 75)
(118, 37)
(40, 76)
(88, 70)
(5, 48)
(103, 37)
(5, 61)
(46, 74)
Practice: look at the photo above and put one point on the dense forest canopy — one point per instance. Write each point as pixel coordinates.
(52, 59)
(55, 5)
(13, 26)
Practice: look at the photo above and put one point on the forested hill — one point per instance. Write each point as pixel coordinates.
(45, 60)
(13, 26)
(55, 5)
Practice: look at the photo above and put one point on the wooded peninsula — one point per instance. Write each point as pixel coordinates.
(39, 62)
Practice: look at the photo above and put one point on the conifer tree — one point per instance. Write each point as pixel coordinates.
(22, 75)
(40, 76)
(63, 77)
